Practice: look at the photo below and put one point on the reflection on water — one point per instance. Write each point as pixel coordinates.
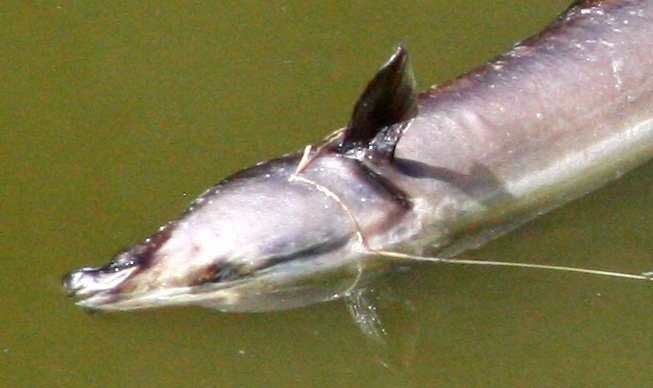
(116, 116)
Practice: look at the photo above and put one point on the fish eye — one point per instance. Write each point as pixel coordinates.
(227, 272)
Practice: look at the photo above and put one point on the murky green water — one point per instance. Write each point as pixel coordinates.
(113, 117)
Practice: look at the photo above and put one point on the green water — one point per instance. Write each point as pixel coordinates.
(113, 116)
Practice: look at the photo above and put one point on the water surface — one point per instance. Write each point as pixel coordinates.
(114, 116)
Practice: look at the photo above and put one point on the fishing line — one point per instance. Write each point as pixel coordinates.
(643, 276)
(311, 152)
(357, 229)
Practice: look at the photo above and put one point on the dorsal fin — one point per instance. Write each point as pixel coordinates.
(389, 100)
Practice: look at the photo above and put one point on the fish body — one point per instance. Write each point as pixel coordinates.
(557, 116)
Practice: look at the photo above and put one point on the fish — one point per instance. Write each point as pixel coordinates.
(433, 173)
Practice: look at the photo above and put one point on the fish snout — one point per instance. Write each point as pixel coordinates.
(89, 281)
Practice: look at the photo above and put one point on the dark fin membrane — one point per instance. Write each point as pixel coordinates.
(382, 111)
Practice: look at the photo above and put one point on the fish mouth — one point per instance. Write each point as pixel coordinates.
(96, 287)
(100, 289)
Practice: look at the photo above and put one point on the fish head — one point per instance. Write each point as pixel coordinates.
(260, 240)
